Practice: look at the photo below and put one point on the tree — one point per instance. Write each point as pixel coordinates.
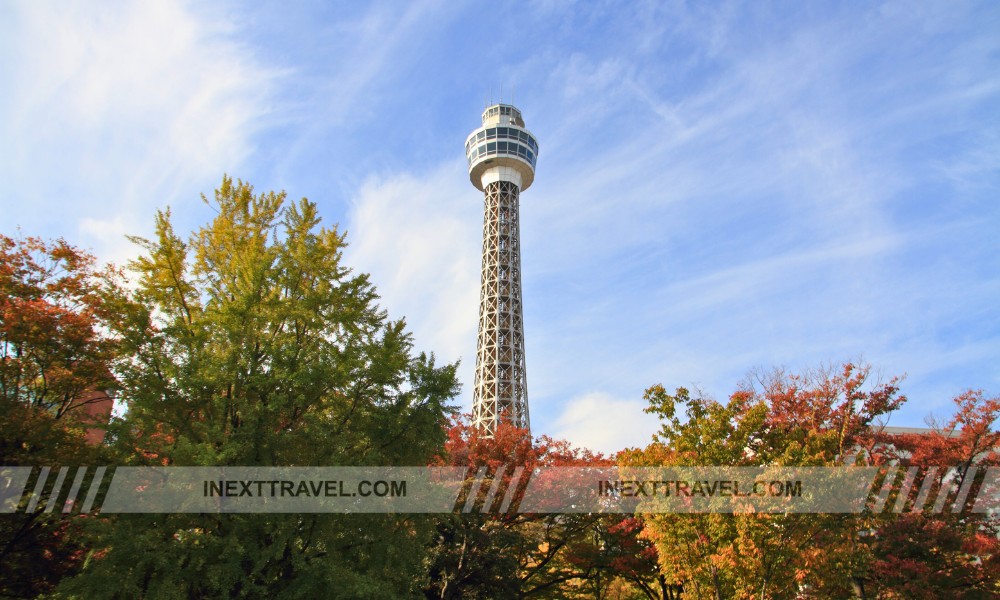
(53, 356)
(52, 352)
(929, 553)
(623, 562)
(252, 344)
(515, 554)
(475, 555)
(814, 419)
(919, 555)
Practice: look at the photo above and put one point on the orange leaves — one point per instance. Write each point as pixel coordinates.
(467, 445)
(53, 350)
(846, 402)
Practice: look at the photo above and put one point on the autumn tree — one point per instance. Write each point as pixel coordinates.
(814, 419)
(622, 562)
(514, 554)
(250, 343)
(940, 550)
(475, 555)
(489, 553)
(53, 358)
(52, 351)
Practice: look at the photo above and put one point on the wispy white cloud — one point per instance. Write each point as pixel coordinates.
(121, 108)
(346, 75)
(602, 422)
(420, 238)
(376, 45)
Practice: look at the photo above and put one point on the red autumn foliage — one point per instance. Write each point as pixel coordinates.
(951, 553)
(54, 356)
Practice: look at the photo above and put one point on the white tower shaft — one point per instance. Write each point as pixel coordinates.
(502, 155)
(501, 386)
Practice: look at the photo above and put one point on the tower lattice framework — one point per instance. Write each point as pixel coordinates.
(501, 155)
(501, 381)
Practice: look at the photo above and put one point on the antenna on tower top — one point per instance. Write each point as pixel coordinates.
(501, 93)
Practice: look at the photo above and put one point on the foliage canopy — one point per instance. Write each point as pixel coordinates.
(252, 344)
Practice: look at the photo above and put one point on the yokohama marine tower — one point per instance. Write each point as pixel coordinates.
(502, 155)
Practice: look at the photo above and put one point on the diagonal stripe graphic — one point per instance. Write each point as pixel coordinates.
(470, 500)
(95, 486)
(36, 494)
(497, 480)
(963, 492)
(81, 472)
(986, 498)
(904, 490)
(56, 488)
(891, 474)
(930, 477)
(948, 485)
(515, 482)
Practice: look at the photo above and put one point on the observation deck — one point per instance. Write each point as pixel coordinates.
(502, 149)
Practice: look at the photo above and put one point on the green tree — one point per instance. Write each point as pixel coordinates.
(252, 344)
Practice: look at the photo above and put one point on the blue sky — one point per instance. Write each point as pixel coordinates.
(720, 187)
